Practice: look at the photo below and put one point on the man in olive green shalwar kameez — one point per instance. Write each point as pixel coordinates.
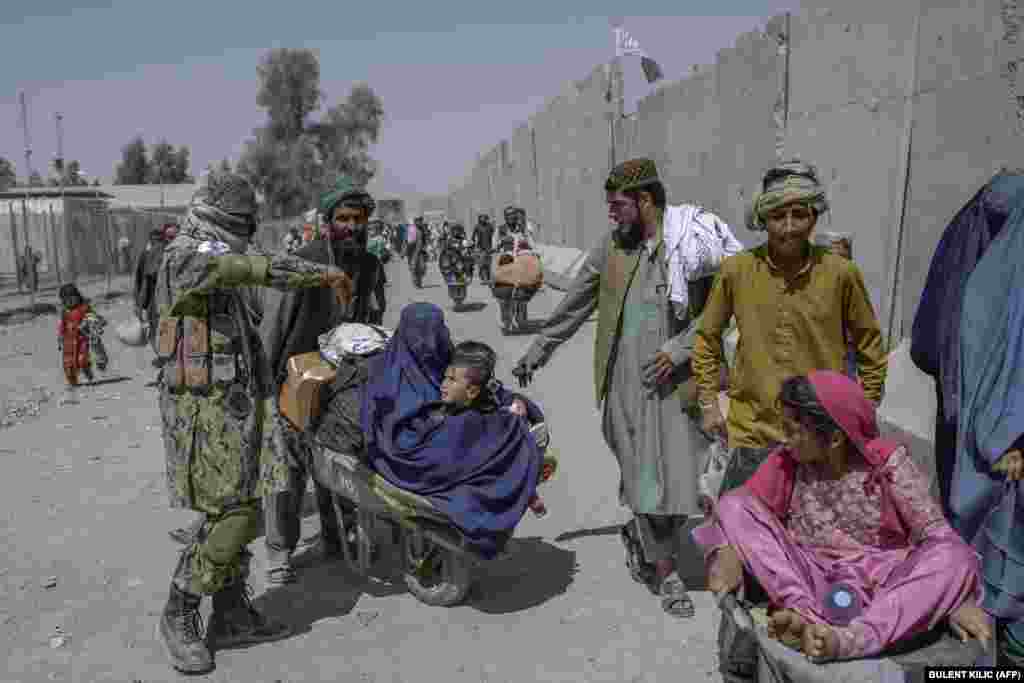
(213, 383)
(640, 359)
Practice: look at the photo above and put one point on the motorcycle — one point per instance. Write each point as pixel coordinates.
(513, 299)
(456, 269)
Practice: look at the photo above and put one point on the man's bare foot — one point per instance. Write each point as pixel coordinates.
(787, 627)
(970, 621)
(726, 572)
(821, 642)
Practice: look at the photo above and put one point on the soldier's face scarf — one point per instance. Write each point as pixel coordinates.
(208, 223)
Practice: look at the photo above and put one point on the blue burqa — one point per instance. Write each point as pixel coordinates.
(935, 340)
(988, 510)
(480, 468)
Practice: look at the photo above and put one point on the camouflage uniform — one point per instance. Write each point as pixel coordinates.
(213, 437)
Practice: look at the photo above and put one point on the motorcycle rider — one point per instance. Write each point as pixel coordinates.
(454, 250)
(483, 240)
(515, 225)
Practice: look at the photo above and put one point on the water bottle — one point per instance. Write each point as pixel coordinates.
(842, 604)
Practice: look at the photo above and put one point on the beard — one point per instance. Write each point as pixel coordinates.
(629, 235)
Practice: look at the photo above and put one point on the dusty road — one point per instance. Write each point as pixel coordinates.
(87, 559)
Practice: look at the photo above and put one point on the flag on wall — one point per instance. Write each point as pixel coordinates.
(628, 46)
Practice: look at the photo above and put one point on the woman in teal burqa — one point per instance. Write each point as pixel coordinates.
(935, 342)
(986, 501)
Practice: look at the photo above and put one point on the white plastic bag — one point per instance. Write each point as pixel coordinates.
(709, 486)
(131, 332)
(352, 339)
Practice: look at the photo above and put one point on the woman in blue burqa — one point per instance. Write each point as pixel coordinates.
(986, 501)
(480, 467)
(935, 341)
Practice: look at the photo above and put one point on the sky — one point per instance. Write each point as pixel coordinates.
(455, 77)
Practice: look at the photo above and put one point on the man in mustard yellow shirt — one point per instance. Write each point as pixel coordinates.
(795, 305)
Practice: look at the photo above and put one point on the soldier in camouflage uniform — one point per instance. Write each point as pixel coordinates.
(213, 384)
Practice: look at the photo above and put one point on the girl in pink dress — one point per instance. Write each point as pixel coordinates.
(839, 528)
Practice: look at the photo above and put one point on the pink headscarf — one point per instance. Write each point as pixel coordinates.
(845, 402)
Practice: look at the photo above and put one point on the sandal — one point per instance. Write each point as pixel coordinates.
(675, 600)
(281, 575)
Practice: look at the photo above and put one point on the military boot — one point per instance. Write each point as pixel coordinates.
(235, 621)
(181, 633)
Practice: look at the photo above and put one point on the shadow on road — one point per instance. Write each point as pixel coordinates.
(325, 589)
(534, 573)
(108, 380)
(529, 327)
(691, 559)
(610, 530)
(472, 307)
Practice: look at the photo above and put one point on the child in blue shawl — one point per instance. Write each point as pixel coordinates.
(455, 443)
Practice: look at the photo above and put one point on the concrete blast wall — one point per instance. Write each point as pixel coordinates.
(906, 107)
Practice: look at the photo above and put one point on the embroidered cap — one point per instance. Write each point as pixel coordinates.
(634, 174)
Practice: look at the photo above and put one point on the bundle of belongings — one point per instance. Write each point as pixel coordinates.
(322, 392)
(522, 270)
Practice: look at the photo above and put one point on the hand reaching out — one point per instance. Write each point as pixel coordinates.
(1011, 464)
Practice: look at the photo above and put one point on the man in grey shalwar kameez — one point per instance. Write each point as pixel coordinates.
(641, 357)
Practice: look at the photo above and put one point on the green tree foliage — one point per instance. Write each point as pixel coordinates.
(162, 164)
(291, 160)
(71, 176)
(182, 164)
(345, 134)
(134, 166)
(289, 90)
(8, 177)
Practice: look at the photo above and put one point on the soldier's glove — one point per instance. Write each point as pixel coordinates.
(523, 373)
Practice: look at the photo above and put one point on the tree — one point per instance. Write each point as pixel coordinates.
(291, 162)
(134, 167)
(289, 90)
(182, 165)
(73, 174)
(8, 178)
(345, 134)
(35, 179)
(161, 163)
(225, 166)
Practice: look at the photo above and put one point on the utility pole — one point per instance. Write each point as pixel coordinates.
(29, 264)
(58, 164)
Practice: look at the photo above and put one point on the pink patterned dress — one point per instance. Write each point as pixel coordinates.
(834, 530)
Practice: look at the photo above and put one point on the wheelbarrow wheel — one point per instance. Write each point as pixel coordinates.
(435, 575)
